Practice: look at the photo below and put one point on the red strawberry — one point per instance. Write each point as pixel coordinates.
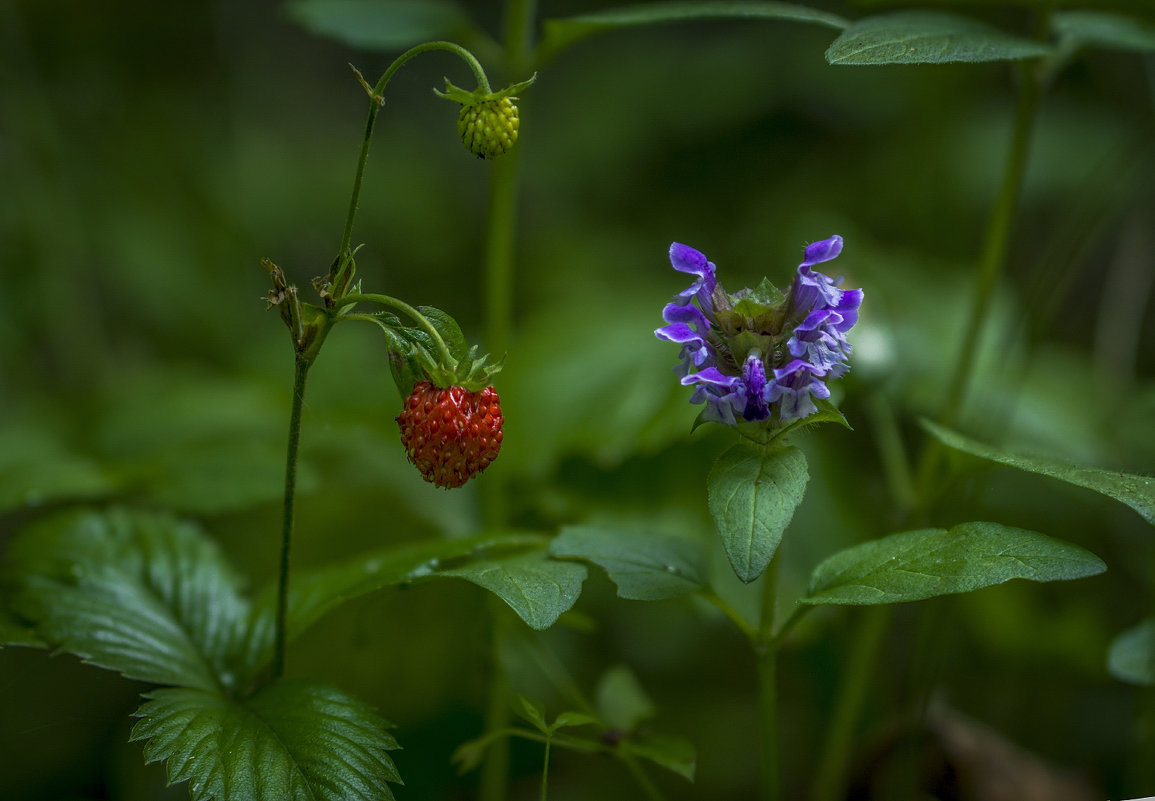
(450, 434)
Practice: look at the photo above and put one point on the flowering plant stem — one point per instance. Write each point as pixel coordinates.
(376, 100)
(300, 374)
(766, 653)
(994, 257)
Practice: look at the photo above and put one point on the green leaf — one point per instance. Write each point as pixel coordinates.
(927, 37)
(573, 720)
(137, 592)
(1135, 491)
(1105, 30)
(35, 469)
(916, 565)
(380, 25)
(561, 33)
(752, 494)
(290, 741)
(1132, 655)
(538, 588)
(532, 712)
(14, 632)
(449, 329)
(645, 566)
(621, 701)
(672, 753)
(513, 566)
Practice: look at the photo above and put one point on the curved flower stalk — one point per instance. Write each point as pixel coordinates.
(759, 359)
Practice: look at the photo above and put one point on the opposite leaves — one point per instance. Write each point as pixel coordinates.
(916, 565)
(752, 494)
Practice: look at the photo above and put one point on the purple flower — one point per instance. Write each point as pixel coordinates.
(759, 356)
(794, 389)
(687, 260)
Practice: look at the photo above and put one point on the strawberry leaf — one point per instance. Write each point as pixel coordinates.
(136, 592)
(290, 741)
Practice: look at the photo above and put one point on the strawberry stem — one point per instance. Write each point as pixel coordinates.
(301, 373)
(443, 353)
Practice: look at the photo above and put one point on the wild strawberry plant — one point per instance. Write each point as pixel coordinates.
(118, 565)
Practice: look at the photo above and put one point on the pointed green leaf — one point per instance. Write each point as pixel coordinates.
(532, 712)
(290, 741)
(561, 33)
(381, 25)
(672, 753)
(538, 588)
(572, 720)
(1132, 655)
(645, 566)
(1104, 29)
(1135, 491)
(752, 494)
(137, 592)
(621, 701)
(313, 593)
(916, 565)
(927, 37)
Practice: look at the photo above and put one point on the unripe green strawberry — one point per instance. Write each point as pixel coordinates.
(488, 128)
(450, 434)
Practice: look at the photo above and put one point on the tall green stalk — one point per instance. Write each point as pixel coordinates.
(766, 654)
(300, 374)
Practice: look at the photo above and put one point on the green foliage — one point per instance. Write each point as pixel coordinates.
(384, 25)
(135, 592)
(916, 565)
(1132, 655)
(1105, 30)
(290, 741)
(1135, 491)
(560, 33)
(538, 588)
(752, 494)
(513, 566)
(645, 566)
(927, 37)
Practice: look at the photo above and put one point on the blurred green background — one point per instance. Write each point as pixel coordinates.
(150, 155)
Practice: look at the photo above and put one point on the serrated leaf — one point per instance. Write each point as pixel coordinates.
(1104, 29)
(916, 565)
(291, 741)
(561, 33)
(1135, 491)
(928, 37)
(136, 592)
(672, 753)
(538, 588)
(645, 566)
(752, 495)
(1132, 655)
(532, 712)
(621, 701)
(381, 25)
